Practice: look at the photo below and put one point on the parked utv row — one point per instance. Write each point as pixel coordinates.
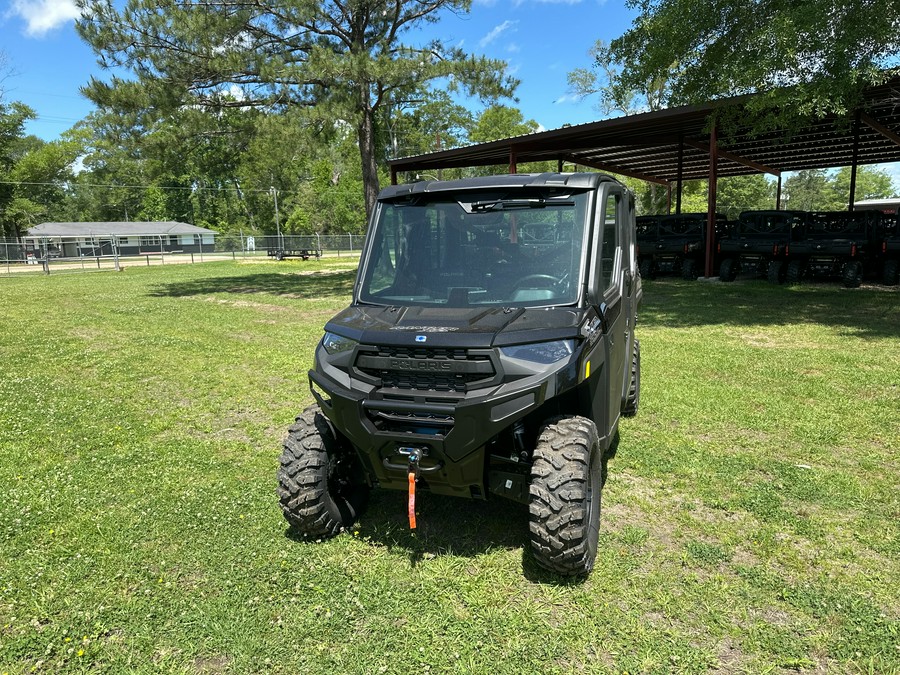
(782, 246)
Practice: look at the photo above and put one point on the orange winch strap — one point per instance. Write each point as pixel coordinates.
(412, 500)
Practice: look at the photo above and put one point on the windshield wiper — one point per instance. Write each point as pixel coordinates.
(492, 204)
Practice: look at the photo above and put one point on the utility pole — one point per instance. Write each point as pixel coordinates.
(277, 219)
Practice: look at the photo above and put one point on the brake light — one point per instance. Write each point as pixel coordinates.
(787, 249)
(685, 248)
(852, 250)
(775, 249)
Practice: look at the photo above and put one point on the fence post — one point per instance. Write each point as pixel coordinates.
(115, 248)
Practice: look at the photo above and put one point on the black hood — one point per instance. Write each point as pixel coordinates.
(475, 327)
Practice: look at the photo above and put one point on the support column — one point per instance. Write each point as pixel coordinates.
(512, 160)
(855, 160)
(393, 176)
(559, 166)
(711, 201)
(778, 195)
(679, 178)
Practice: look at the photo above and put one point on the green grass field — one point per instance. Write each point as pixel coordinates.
(751, 520)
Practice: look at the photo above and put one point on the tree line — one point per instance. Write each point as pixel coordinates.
(229, 108)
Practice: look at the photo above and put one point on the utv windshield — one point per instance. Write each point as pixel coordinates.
(462, 250)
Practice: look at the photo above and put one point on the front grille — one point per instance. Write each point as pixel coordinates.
(426, 368)
(396, 421)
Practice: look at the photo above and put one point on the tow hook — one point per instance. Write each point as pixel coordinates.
(413, 468)
(413, 456)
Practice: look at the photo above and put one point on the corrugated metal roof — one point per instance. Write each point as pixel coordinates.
(648, 145)
(130, 229)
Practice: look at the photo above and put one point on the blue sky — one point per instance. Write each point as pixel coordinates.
(542, 40)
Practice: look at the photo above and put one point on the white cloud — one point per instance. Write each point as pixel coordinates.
(495, 33)
(42, 16)
(513, 48)
(567, 98)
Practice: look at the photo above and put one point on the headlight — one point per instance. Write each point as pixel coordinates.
(334, 344)
(541, 352)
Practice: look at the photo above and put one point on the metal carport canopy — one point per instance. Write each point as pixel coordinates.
(679, 144)
(648, 145)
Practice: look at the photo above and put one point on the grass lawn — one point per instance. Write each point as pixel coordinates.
(751, 520)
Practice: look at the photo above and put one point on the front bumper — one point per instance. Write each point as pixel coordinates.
(452, 430)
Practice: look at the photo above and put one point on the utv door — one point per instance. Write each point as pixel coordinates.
(612, 284)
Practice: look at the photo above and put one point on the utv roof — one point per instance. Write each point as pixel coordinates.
(580, 181)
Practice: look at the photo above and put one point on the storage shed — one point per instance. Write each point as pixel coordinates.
(75, 240)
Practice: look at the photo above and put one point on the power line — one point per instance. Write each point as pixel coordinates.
(67, 185)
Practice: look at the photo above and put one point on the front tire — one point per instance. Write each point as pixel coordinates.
(319, 486)
(564, 504)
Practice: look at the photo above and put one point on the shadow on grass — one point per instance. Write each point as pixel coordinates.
(445, 525)
(868, 312)
(312, 285)
(454, 526)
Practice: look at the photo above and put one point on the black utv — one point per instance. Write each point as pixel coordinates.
(889, 250)
(674, 244)
(757, 242)
(836, 244)
(489, 350)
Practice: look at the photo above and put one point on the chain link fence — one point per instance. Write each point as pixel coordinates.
(71, 254)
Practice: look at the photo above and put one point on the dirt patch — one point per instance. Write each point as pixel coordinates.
(730, 658)
(212, 664)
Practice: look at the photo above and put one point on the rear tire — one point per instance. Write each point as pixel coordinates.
(689, 269)
(319, 483)
(794, 272)
(634, 390)
(727, 271)
(776, 272)
(646, 268)
(889, 272)
(564, 504)
(851, 274)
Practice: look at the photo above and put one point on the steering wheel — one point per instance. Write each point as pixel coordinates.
(537, 281)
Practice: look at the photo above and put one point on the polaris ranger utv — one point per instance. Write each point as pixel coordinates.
(675, 245)
(836, 244)
(489, 349)
(757, 243)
